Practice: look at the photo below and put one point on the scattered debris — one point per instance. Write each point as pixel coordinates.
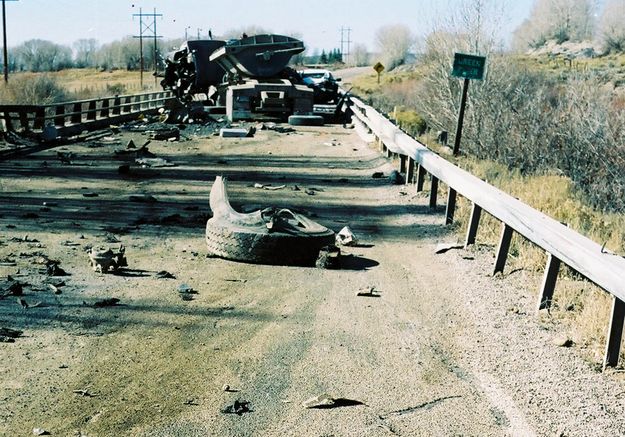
(190, 402)
(310, 192)
(84, 393)
(269, 187)
(229, 389)
(225, 132)
(11, 287)
(163, 274)
(239, 407)
(444, 247)
(40, 431)
(326, 401)
(563, 340)
(329, 257)
(186, 289)
(108, 302)
(53, 268)
(90, 194)
(154, 162)
(22, 303)
(423, 406)
(105, 260)
(54, 289)
(368, 292)
(377, 175)
(346, 237)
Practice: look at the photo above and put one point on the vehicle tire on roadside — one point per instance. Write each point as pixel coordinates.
(306, 120)
(230, 241)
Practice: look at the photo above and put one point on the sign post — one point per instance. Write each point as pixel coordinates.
(467, 67)
(379, 68)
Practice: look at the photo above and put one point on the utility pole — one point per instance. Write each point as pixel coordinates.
(348, 41)
(147, 27)
(4, 42)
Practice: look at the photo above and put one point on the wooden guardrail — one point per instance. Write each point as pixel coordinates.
(75, 116)
(562, 244)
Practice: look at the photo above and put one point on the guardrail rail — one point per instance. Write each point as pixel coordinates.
(562, 244)
(69, 118)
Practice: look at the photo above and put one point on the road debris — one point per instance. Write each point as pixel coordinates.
(105, 260)
(8, 335)
(229, 389)
(239, 407)
(395, 178)
(186, 292)
(345, 237)
(368, 292)
(325, 401)
(11, 287)
(84, 393)
(329, 258)
(225, 132)
(377, 175)
(142, 198)
(164, 274)
(563, 340)
(154, 162)
(40, 431)
(444, 247)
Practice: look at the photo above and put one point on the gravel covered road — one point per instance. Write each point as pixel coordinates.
(435, 351)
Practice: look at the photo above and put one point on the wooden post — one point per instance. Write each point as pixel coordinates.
(502, 250)
(463, 104)
(76, 117)
(549, 282)
(474, 221)
(40, 117)
(433, 191)
(59, 120)
(420, 178)
(389, 153)
(402, 163)
(410, 170)
(116, 103)
(451, 206)
(104, 112)
(91, 113)
(615, 333)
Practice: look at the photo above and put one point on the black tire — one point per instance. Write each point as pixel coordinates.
(237, 243)
(306, 120)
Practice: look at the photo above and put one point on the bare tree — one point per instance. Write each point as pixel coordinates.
(84, 52)
(611, 29)
(359, 55)
(41, 55)
(559, 20)
(394, 43)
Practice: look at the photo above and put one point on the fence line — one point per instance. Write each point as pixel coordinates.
(562, 244)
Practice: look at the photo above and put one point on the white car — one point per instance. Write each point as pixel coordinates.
(317, 76)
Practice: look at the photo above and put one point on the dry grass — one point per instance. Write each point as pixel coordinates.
(93, 83)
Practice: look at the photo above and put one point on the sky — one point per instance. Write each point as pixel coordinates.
(317, 21)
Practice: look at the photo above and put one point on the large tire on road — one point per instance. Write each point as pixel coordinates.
(278, 237)
(306, 120)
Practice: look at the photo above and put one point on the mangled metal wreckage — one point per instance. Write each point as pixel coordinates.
(247, 77)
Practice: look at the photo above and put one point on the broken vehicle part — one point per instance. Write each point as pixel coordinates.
(268, 236)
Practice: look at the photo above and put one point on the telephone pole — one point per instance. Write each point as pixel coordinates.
(348, 41)
(4, 41)
(147, 26)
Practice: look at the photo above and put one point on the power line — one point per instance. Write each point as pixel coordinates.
(4, 41)
(149, 28)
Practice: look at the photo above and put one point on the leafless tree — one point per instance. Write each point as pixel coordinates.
(611, 28)
(394, 42)
(559, 20)
(41, 55)
(84, 52)
(359, 55)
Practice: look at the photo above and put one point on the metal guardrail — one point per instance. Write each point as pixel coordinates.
(74, 116)
(562, 244)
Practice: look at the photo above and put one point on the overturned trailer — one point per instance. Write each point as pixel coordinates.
(247, 78)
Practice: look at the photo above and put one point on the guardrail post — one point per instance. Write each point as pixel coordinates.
(451, 206)
(474, 221)
(24, 120)
(410, 170)
(549, 282)
(127, 105)
(402, 163)
(116, 109)
(420, 178)
(433, 191)
(104, 112)
(40, 118)
(502, 250)
(77, 113)
(91, 112)
(59, 119)
(615, 333)
(389, 153)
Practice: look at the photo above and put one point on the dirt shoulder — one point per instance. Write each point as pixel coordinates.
(437, 353)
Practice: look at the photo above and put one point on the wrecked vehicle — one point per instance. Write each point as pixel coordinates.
(324, 84)
(246, 77)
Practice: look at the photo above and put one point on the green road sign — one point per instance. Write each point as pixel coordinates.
(468, 66)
